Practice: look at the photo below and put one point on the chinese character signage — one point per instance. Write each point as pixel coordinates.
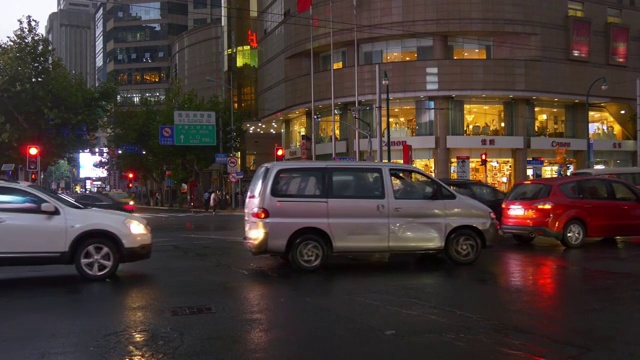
(579, 38)
(252, 38)
(618, 44)
(194, 127)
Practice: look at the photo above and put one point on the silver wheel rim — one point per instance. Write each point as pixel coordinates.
(96, 259)
(465, 248)
(309, 253)
(574, 234)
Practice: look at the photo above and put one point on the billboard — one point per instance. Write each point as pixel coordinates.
(618, 44)
(87, 165)
(579, 38)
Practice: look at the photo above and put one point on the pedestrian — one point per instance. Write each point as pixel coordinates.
(206, 200)
(213, 202)
(158, 199)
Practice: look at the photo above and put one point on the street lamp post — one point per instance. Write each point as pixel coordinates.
(233, 129)
(385, 82)
(590, 145)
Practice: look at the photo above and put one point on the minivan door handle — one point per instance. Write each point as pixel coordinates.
(380, 207)
(397, 209)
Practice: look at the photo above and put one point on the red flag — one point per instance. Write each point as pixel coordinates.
(303, 5)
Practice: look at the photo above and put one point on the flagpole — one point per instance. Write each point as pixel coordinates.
(333, 104)
(357, 112)
(313, 113)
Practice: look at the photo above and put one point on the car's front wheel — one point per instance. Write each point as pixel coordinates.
(574, 234)
(463, 247)
(97, 259)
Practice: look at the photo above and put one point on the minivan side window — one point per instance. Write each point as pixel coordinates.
(412, 185)
(258, 182)
(356, 183)
(570, 190)
(298, 183)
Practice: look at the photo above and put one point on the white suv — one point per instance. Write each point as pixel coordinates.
(38, 227)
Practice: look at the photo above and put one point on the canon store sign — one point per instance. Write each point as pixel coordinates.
(544, 143)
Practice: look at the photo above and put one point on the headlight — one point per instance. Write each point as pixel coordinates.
(136, 227)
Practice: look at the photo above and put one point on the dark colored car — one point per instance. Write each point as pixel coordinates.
(571, 209)
(102, 202)
(486, 194)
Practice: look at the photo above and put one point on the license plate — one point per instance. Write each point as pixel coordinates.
(516, 211)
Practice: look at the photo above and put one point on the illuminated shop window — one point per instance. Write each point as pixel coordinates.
(576, 8)
(602, 126)
(550, 121)
(484, 119)
(470, 48)
(297, 128)
(123, 79)
(136, 78)
(324, 128)
(614, 15)
(402, 120)
(497, 173)
(151, 77)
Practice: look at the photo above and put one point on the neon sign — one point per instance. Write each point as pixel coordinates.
(252, 37)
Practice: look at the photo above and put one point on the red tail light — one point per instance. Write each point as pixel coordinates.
(543, 205)
(130, 208)
(259, 213)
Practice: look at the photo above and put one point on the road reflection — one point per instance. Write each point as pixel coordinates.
(536, 276)
(255, 300)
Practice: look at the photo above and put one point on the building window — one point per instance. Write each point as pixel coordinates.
(550, 120)
(602, 126)
(576, 8)
(469, 48)
(339, 60)
(484, 119)
(614, 15)
(199, 4)
(199, 22)
(297, 129)
(396, 51)
(216, 3)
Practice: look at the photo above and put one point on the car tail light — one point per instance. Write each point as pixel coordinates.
(251, 196)
(260, 213)
(543, 205)
(130, 208)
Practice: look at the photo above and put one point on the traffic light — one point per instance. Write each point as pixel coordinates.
(33, 158)
(34, 177)
(279, 153)
(130, 176)
(483, 159)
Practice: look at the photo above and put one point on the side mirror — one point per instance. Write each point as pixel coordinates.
(48, 208)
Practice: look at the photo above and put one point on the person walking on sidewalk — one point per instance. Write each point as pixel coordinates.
(213, 201)
(206, 199)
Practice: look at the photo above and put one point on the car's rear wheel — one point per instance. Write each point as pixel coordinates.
(523, 239)
(309, 252)
(97, 259)
(574, 234)
(463, 247)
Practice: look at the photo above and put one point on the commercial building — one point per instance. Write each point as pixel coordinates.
(136, 42)
(508, 78)
(70, 30)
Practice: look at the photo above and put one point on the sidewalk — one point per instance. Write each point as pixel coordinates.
(174, 208)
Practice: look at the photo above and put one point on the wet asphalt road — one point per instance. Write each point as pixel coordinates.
(516, 302)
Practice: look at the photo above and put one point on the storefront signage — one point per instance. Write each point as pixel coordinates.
(416, 142)
(618, 44)
(579, 38)
(463, 167)
(614, 145)
(479, 142)
(252, 38)
(553, 144)
(292, 153)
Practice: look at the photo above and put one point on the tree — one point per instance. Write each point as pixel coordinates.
(139, 126)
(41, 102)
(60, 171)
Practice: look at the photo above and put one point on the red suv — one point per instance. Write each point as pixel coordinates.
(571, 209)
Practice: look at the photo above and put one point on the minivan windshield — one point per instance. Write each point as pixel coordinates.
(61, 198)
(529, 191)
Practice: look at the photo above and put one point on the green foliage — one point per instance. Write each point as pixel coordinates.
(140, 126)
(41, 102)
(57, 172)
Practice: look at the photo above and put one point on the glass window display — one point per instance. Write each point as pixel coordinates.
(402, 120)
(297, 128)
(550, 120)
(483, 119)
(602, 126)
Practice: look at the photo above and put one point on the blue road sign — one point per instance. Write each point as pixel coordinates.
(166, 135)
(239, 174)
(535, 162)
(221, 159)
(129, 148)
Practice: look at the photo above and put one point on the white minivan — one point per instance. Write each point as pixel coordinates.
(304, 211)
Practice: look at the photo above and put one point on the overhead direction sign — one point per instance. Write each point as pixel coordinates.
(194, 128)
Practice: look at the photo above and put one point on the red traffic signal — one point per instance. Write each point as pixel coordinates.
(130, 175)
(129, 185)
(483, 159)
(33, 150)
(279, 153)
(34, 177)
